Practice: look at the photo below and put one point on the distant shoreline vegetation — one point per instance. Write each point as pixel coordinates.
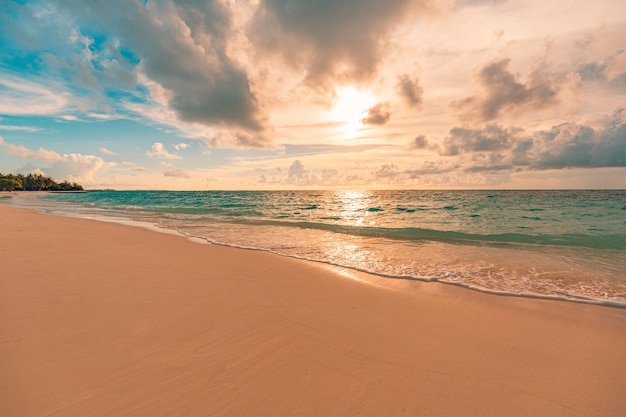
(31, 182)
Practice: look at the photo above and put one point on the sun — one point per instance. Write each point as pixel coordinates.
(351, 107)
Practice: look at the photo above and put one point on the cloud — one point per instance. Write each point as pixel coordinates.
(134, 167)
(182, 46)
(72, 167)
(616, 67)
(106, 151)
(159, 151)
(169, 170)
(78, 167)
(503, 92)
(102, 116)
(430, 168)
(567, 145)
(23, 97)
(25, 153)
(487, 139)
(30, 168)
(571, 145)
(324, 177)
(328, 39)
(296, 170)
(410, 89)
(240, 139)
(387, 171)
(419, 142)
(30, 129)
(180, 146)
(611, 70)
(592, 71)
(378, 114)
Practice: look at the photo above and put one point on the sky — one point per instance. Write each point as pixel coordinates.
(303, 94)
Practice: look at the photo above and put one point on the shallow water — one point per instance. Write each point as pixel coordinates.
(555, 244)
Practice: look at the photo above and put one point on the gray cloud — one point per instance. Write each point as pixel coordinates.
(430, 168)
(240, 139)
(410, 90)
(181, 44)
(419, 142)
(571, 145)
(568, 145)
(490, 138)
(387, 171)
(300, 175)
(612, 70)
(328, 38)
(183, 48)
(502, 92)
(378, 114)
(592, 71)
(296, 170)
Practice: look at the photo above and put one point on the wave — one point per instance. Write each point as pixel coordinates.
(513, 224)
(612, 241)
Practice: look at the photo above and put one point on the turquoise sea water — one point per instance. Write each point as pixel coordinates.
(555, 244)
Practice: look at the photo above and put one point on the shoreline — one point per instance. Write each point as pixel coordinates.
(366, 273)
(107, 319)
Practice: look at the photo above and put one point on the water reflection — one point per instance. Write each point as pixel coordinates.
(341, 253)
(353, 206)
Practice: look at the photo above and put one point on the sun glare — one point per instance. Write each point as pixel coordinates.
(351, 107)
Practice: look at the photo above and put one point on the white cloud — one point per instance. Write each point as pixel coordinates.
(180, 146)
(73, 167)
(25, 97)
(25, 153)
(20, 128)
(106, 151)
(159, 151)
(134, 167)
(169, 170)
(38, 171)
(101, 116)
(77, 167)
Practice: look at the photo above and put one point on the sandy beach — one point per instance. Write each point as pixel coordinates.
(102, 319)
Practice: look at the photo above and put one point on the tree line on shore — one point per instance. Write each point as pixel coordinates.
(35, 182)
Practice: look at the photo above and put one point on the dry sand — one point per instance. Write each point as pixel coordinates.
(100, 319)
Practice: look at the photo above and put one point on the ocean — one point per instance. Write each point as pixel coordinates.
(568, 245)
